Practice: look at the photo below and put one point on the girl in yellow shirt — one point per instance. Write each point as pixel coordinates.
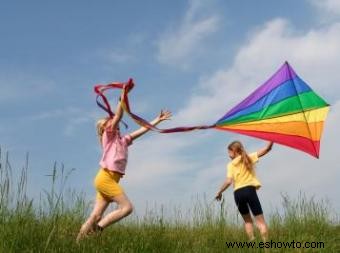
(241, 173)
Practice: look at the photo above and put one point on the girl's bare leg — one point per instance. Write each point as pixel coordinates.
(248, 226)
(124, 209)
(98, 210)
(262, 226)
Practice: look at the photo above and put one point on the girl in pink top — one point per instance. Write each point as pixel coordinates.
(112, 167)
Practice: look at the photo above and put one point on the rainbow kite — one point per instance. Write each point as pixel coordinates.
(284, 110)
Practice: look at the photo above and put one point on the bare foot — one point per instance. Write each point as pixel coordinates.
(80, 237)
(84, 231)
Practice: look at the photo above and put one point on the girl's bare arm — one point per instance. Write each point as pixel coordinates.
(224, 186)
(164, 115)
(265, 150)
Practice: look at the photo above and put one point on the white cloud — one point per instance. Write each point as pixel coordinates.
(315, 54)
(316, 57)
(328, 6)
(182, 45)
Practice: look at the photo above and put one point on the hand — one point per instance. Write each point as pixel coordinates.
(218, 196)
(129, 85)
(164, 115)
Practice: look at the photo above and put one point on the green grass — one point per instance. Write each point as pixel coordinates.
(51, 223)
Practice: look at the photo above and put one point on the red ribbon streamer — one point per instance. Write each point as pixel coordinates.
(126, 87)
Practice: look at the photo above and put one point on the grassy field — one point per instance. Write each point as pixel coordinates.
(51, 223)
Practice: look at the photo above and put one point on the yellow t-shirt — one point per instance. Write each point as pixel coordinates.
(241, 175)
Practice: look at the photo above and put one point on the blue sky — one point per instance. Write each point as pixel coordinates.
(197, 58)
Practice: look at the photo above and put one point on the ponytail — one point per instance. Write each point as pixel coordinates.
(237, 147)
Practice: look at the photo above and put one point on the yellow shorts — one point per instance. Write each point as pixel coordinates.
(106, 184)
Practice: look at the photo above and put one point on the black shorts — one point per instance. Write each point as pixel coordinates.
(245, 198)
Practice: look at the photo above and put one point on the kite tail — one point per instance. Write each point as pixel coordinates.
(126, 87)
(100, 89)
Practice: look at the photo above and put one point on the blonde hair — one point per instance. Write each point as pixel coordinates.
(100, 126)
(238, 148)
